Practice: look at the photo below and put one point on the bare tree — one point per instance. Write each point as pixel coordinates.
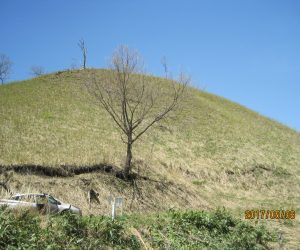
(134, 101)
(37, 70)
(5, 67)
(83, 49)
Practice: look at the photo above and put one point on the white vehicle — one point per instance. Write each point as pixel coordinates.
(44, 203)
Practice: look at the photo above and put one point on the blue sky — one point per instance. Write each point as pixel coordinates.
(246, 51)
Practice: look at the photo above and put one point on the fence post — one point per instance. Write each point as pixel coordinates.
(113, 210)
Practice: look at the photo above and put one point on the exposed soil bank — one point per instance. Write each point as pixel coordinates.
(59, 171)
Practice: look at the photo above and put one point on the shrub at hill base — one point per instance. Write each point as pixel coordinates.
(170, 230)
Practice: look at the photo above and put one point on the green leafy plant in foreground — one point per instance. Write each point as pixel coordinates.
(208, 230)
(171, 230)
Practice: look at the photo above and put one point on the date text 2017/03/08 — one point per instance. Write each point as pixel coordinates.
(270, 214)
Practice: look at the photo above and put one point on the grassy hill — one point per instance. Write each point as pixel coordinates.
(211, 153)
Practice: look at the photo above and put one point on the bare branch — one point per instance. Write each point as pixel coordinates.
(5, 67)
(37, 70)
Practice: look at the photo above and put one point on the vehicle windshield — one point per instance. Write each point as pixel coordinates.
(53, 201)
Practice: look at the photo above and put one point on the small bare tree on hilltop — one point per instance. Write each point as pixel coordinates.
(82, 47)
(5, 67)
(37, 70)
(134, 101)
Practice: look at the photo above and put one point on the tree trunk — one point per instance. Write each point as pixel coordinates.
(127, 167)
(84, 59)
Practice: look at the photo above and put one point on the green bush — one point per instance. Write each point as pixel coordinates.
(25, 230)
(171, 230)
(19, 229)
(212, 230)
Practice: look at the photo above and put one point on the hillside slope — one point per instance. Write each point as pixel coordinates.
(211, 153)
